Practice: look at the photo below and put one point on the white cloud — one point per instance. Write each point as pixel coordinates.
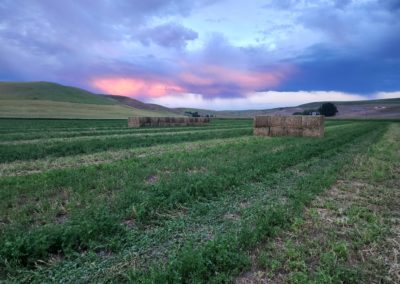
(387, 95)
(259, 100)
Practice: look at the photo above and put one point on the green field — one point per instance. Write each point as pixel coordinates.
(94, 201)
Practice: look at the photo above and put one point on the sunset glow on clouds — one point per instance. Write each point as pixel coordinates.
(201, 52)
(132, 87)
(209, 80)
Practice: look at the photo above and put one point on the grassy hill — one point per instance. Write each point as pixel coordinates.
(50, 100)
(140, 105)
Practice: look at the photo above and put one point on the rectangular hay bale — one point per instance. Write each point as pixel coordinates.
(165, 121)
(277, 121)
(312, 121)
(262, 121)
(294, 121)
(294, 132)
(277, 131)
(261, 131)
(133, 122)
(312, 126)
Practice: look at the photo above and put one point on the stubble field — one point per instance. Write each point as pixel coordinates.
(95, 201)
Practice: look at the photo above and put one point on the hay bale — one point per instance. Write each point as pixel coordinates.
(312, 121)
(165, 121)
(277, 121)
(312, 126)
(277, 131)
(261, 131)
(262, 121)
(294, 121)
(294, 132)
(133, 122)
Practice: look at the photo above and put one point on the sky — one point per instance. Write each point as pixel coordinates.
(215, 54)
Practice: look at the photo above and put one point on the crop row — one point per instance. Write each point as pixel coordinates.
(144, 191)
(9, 153)
(32, 137)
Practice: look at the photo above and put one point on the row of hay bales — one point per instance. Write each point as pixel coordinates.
(166, 121)
(295, 125)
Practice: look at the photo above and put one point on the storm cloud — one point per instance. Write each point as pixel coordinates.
(169, 48)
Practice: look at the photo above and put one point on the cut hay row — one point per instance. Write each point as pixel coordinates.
(21, 168)
(121, 135)
(298, 125)
(166, 121)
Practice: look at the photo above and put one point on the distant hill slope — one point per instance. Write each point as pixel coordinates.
(394, 101)
(50, 100)
(50, 92)
(384, 108)
(141, 105)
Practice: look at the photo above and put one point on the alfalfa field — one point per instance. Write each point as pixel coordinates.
(94, 201)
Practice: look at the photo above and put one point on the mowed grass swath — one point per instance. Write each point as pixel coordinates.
(188, 204)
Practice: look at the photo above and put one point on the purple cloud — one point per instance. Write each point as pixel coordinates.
(168, 35)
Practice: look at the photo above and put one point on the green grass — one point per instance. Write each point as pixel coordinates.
(44, 91)
(350, 233)
(180, 205)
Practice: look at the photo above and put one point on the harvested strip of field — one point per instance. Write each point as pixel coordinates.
(30, 167)
(40, 125)
(108, 136)
(37, 137)
(98, 132)
(10, 153)
(351, 234)
(36, 166)
(142, 203)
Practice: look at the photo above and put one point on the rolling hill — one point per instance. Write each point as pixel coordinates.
(50, 100)
(140, 105)
(384, 108)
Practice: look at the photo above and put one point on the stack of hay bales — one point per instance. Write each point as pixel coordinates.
(295, 125)
(166, 121)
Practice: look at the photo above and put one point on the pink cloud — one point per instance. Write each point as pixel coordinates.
(207, 80)
(135, 87)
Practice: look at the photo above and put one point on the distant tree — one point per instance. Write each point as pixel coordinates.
(298, 113)
(328, 109)
(195, 114)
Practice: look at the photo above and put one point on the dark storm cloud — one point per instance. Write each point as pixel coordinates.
(353, 74)
(168, 35)
(300, 45)
(84, 38)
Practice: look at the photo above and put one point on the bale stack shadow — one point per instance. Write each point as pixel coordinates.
(166, 121)
(295, 125)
